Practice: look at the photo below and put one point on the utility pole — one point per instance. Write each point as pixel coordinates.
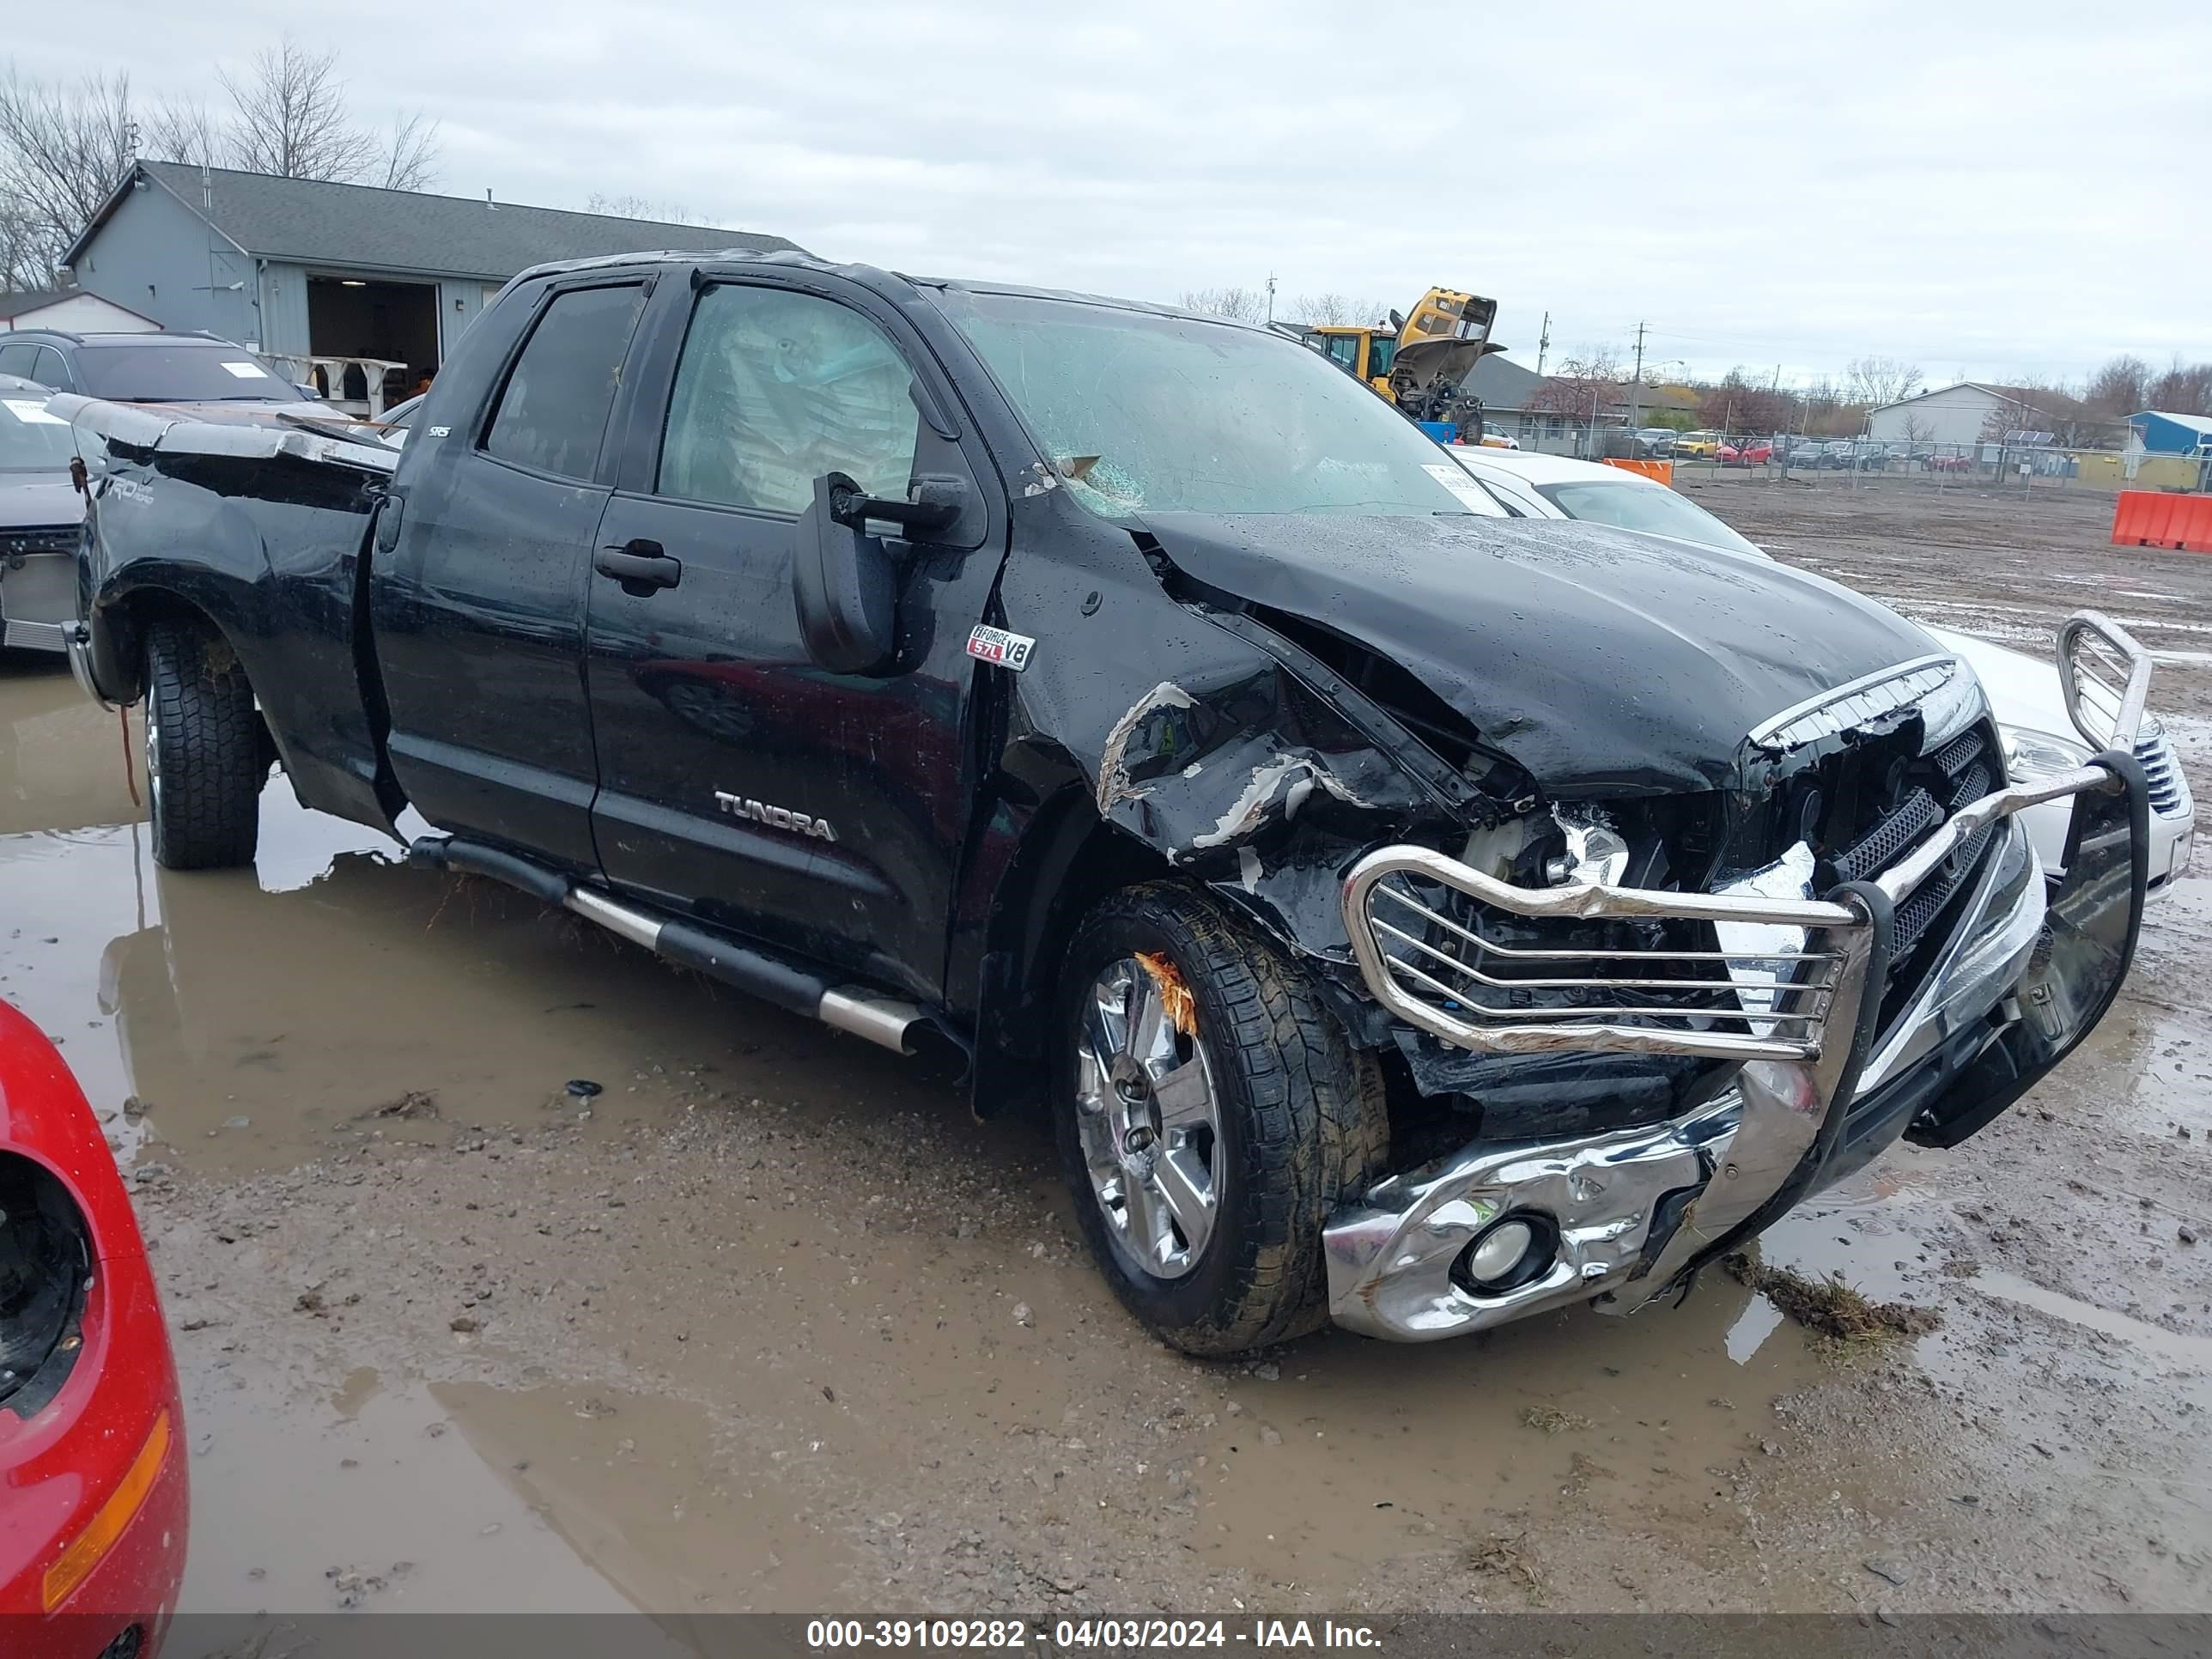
(1270, 296)
(1636, 381)
(1543, 344)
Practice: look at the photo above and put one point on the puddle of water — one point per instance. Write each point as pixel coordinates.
(462, 1497)
(61, 755)
(2153, 1071)
(2193, 1352)
(638, 1488)
(264, 1017)
(284, 1492)
(1359, 1455)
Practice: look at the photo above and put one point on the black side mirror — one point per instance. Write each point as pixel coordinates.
(844, 583)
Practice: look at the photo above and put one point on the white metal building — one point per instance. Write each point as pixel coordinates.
(71, 308)
(1960, 414)
(303, 269)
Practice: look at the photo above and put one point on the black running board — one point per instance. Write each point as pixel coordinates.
(854, 1008)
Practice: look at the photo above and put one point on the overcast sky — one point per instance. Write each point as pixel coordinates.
(1990, 191)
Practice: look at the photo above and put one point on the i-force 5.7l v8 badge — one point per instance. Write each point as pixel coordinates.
(988, 644)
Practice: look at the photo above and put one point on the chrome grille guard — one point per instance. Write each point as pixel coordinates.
(1803, 1021)
(2104, 677)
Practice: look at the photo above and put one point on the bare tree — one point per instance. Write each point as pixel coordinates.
(1823, 410)
(411, 157)
(2042, 406)
(1874, 381)
(288, 116)
(640, 206)
(1243, 305)
(2117, 388)
(182, 131)
(62, 149)
(1581, 388)
(1337, 310)
(2180, 391)
(1740, 403)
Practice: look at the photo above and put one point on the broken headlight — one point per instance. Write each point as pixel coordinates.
(2031, 755)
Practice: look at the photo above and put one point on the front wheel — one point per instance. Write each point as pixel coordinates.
(206, 761)
(1212, 1115)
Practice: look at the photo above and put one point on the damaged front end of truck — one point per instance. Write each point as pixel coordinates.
(1651, 939)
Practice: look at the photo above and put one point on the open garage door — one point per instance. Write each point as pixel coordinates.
(366, 322)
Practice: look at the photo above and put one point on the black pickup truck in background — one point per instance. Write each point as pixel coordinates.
(1407, 914)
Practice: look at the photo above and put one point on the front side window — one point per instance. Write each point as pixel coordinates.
(1142, 412)
(554, 410)
(1344, 350)
(775, 389)
(20, 359)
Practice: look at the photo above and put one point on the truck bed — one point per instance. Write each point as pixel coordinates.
(259, 519)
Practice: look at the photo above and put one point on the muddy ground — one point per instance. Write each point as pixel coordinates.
(767, 1322)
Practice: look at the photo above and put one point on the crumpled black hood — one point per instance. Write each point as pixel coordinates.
(1605, 662)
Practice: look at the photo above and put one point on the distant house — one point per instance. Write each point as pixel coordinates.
(1563, 423)
(1973, 411)
(300, 269)
(1506, 388)
(2172, 434)
(70, 308)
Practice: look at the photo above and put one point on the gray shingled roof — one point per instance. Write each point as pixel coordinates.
(1502, 384)
(14, 304)
(301, 220)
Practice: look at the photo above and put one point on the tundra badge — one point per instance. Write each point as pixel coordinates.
(776, 817)
(998, 646)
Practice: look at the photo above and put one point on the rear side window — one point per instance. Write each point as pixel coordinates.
(554, 410)
(775, 389)
(51, 370)
(19, 359)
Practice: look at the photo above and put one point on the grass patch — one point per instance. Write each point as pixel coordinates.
(1502, 1556)
(1552, 1420)
(1831, 1307)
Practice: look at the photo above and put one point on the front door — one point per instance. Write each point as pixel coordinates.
(478, 612)
(739, 782)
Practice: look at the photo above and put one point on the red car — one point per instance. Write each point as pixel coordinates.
(92, 1433)
(1756, 452)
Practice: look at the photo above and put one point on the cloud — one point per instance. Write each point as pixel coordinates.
(2004, 196)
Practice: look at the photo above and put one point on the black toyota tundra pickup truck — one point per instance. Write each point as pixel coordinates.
(1407, 915)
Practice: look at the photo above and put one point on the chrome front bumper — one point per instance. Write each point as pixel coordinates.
(1635, 1213)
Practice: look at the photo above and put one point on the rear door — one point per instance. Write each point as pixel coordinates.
(739, 782)
(479, 610)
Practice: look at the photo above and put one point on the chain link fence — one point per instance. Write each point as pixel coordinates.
(2020, 462)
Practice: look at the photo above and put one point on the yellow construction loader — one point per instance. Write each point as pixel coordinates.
(1420, 362)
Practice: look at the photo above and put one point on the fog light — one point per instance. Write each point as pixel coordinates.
(1498, 1252)
(1513, 1251)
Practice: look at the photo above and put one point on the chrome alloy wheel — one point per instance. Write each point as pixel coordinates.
(1150, 1122)
(154, 755)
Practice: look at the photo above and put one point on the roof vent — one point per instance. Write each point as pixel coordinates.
(488, 203)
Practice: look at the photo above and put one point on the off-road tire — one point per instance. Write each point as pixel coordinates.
(1303, 1121)
(206, 757)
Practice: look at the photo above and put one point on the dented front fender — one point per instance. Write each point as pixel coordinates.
(1206, 739)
